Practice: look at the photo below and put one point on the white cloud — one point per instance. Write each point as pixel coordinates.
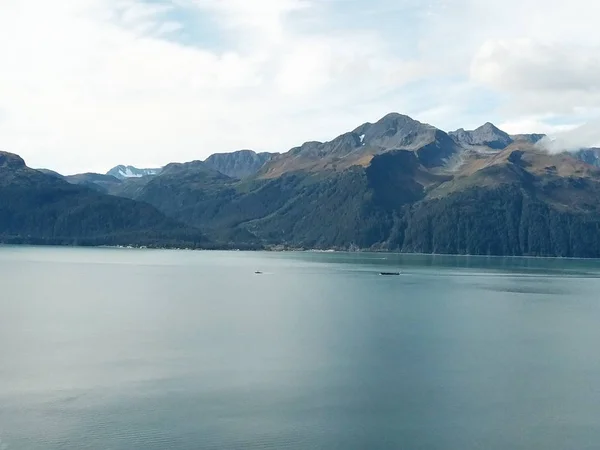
(169, 27)
(584, 136)
(264, 18)
(543, 77)
(134, 12)
(542, 56)
(87, 84)
(85, 93)
(527, 65)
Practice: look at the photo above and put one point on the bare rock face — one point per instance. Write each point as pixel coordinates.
(397, 131)
(240, 164)
(487, 135)
(11, 161)
(433, 147)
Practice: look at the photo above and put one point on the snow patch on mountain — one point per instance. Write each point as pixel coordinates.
(124, 172)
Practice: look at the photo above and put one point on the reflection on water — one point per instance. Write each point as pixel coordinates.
(515, 265)
(126, 350)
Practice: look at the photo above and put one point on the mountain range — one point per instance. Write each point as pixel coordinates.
(396, 185)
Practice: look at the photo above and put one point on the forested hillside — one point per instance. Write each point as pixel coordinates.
(40, 208)
(396, 184)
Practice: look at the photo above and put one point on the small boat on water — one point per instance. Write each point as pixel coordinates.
(389, 274)
(258, 272)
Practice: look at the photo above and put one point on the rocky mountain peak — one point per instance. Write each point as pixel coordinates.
(489, 126)
(487, 135)
(11, 161)
(396, 131)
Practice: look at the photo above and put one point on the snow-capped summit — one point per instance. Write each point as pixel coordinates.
(123, 172)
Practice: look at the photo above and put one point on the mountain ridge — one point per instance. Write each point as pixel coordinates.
(361, 190)
(396, 184)
(239, 164)
(487, 135)
(392, 132)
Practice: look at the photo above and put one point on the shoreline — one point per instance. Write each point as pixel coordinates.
(231, 248)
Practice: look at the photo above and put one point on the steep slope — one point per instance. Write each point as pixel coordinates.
(339, 209)
(504, 220)
(40, 208)
(240, 164)
(187, 191)
(432, 147)
(589, 155)
(521, 201)
(487, 135)
(295, 208)
(125, 172)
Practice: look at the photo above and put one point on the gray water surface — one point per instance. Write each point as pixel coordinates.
(109, 349)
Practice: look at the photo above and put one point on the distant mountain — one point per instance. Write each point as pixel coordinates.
(124, 172)
(487, 135)
(109, 184)
(432, 147)
(39, 208)
(240, 164)
(122, 181)
(491, 137)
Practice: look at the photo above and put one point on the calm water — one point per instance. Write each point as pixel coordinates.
(108, 349)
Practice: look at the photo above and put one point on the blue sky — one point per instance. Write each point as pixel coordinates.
(88, 84)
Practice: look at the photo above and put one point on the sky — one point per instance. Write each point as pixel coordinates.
(89, 84)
